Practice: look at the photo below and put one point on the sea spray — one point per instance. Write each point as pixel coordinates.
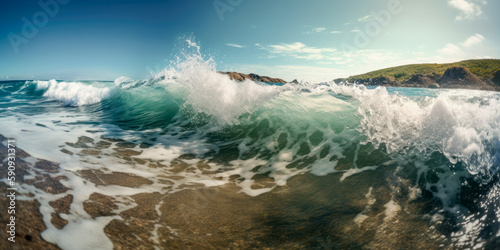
(212, 93)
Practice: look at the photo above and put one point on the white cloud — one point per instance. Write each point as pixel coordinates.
(310, 57)
(366, 19)
(319, 29)
(473, 41)
(450, 49)
(355, 31)
(336, 32)
(321, 64)
(484, 57)
(454, 52)
(448, 54)
(468, 9)
(355, 60)
(299, 50)
(234, 45)
(287, 47)
(298, 47)
(324, 64)
(335, 64)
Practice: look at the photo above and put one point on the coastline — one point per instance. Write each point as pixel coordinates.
(453, 77)
(470, 74)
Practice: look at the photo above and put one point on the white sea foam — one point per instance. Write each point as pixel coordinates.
(370, 200)
(215, 94)
(391, 210)
(354, 171)
(121, 80)
(460, 127)
(73, 93)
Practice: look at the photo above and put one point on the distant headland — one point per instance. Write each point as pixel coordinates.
(483, 74)
(253, 77)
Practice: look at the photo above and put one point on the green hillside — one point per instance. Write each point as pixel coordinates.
(483, 68)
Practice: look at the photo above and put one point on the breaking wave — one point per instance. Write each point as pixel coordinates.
(448, 139)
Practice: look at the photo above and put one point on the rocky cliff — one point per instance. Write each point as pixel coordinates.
(496, 78)
(459, 77)
(422, 81)
(454, 77)
(254, 77)
(379, 81)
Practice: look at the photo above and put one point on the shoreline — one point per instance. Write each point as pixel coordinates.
(206, 217)
(223, 216)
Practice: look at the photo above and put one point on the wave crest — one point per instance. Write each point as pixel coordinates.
(73, 93)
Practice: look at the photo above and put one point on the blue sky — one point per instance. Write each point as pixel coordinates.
(311, 40)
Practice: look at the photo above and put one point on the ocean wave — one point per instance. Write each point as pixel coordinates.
(442, 142)
(253, 116)
(466, 130)
(73, 93)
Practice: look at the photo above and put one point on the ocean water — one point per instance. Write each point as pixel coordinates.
(347, 166)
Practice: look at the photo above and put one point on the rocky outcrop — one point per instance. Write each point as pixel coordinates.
(380, 81)
(459, 77)
(341, 80)
(253, 77)
(433, 86)
(266, 79)
(496, 78)
(237, 76)
(420, 80)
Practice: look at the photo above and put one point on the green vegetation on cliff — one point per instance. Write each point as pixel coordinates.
(483, 68)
